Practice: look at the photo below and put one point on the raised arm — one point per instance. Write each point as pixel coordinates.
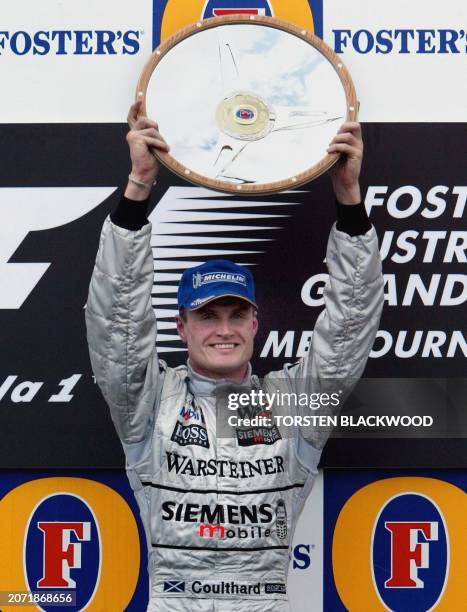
(345, 330)
(121, 326)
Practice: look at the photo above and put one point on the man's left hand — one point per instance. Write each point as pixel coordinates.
(345, 172)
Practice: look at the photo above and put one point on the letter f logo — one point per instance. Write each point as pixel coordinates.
(59, 554)
(407, 553)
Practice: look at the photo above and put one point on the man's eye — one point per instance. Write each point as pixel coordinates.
(207, 315)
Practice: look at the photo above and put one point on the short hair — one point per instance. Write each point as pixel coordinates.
(227, 299)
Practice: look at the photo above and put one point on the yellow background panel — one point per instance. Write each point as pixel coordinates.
(180, 13)
(351, 548)
(120, 546)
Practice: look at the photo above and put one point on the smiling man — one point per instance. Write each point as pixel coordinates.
(219, 510)
(218, 320)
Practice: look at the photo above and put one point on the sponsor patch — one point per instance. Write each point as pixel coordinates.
(190, 434)
(190, 428)
(240, 533)
(181, 464)
(258, 435)
(275, 587)
(217, 514)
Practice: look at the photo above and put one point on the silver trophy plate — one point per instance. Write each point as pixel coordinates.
(248, 104)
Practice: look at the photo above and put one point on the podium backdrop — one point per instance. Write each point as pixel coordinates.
(69, 71)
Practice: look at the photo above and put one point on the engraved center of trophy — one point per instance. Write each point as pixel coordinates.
(245, 116)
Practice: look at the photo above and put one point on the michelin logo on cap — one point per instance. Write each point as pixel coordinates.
(214, 277)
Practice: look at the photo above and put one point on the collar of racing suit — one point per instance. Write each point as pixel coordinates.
(202, 385)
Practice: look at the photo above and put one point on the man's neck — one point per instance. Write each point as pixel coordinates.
(237, 376)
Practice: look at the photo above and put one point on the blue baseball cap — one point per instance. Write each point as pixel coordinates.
(212, 280)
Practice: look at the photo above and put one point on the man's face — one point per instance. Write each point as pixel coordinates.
(220, 337)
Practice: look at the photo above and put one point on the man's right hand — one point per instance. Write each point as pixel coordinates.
(142, 138)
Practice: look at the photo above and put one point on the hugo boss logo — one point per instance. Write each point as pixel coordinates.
(190, 428)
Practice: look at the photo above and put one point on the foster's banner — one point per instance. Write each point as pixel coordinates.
(395, 542)
(74, 536)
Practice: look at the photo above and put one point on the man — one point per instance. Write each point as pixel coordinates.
(218, 511)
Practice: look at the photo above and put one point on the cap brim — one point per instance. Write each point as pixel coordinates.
(219, 297)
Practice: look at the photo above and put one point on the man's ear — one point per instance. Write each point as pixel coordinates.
(180, 327)
(255, 323)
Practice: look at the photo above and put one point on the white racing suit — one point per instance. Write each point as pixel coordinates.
(218, 513)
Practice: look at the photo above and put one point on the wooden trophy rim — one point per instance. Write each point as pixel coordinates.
(257, 188)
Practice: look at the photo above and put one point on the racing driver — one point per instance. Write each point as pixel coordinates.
(219, 512)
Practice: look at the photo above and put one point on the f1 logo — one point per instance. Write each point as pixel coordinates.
(407, 553)
(33, 209)
(59, 554)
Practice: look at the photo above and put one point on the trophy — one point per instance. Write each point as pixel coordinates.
(247, 103)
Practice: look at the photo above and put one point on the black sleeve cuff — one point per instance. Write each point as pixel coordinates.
(352, 220)
(130, 214)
